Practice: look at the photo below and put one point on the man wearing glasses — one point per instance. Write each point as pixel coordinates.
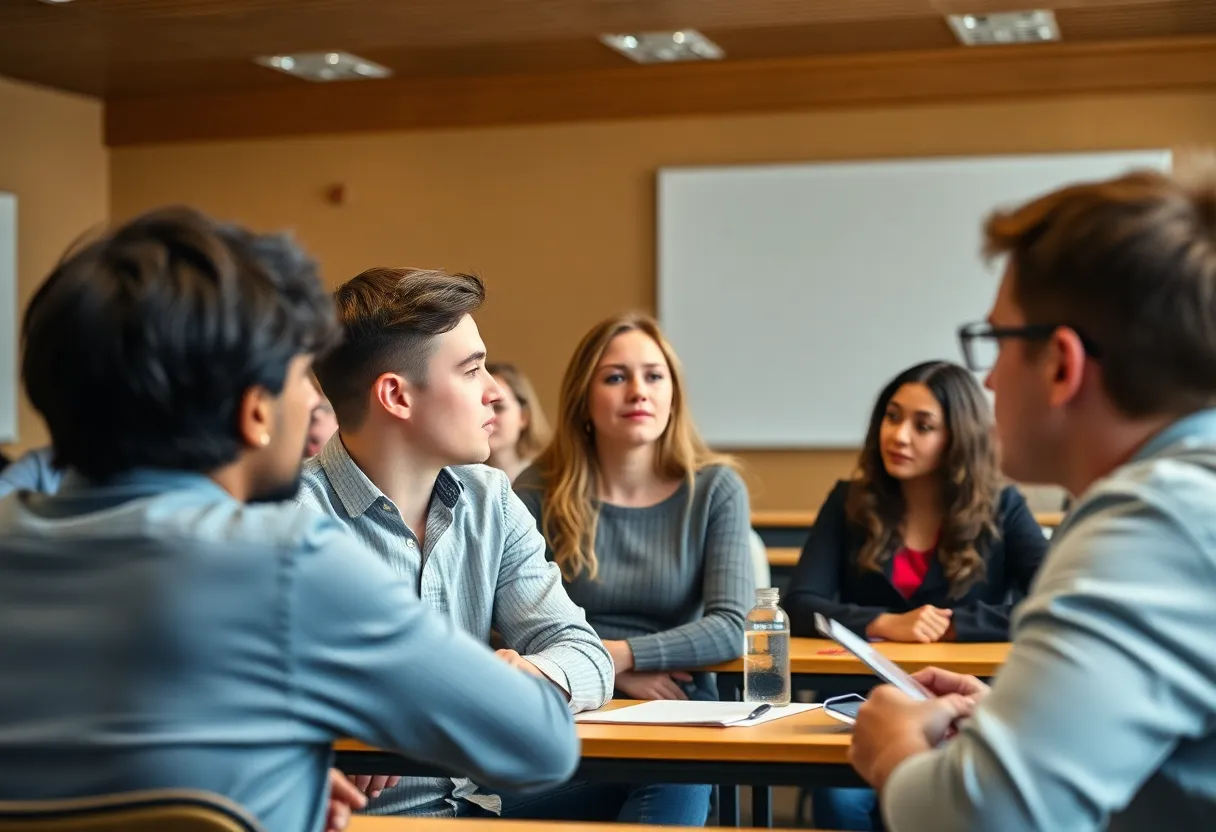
(1101, 351)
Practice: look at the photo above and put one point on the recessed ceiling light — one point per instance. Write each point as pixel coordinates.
(55, 2)
(1005, 27)
(325, 66)
(664, 47)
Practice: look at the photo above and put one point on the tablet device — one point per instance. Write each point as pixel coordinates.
(885, 669)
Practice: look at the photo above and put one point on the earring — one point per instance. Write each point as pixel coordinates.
(265, 440)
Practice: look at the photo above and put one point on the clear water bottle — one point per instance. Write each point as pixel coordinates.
(766, 653)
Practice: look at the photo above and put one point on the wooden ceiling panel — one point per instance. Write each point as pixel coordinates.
(667, 91)
(1185, 17)
(836, 38)
(125, 48)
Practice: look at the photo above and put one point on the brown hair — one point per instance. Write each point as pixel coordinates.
(569, 466)
(390, 319)
(969, 477)
(536, 433)
(1130, 263)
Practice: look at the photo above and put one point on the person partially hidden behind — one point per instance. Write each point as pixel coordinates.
(1101, 351)
(164, 621)
(927, 544)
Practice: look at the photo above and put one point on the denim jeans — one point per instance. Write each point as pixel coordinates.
(855, 810)
(658, 804)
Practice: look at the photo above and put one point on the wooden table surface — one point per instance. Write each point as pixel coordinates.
(783, 557)
(806, 519)
(822, 657)
(811, 737)
(369, 823)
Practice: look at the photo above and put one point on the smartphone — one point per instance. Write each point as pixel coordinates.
(885, 669)
(844, 708)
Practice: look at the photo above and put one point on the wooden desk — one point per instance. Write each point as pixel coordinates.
(809, 738)
(783, 557)
(787, 529)
(783, 519)
(371, 823)
(809, 749)
(807, 658)
(803, 520)
(1049, 519)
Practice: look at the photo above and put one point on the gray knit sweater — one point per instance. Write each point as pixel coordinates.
(675, 579)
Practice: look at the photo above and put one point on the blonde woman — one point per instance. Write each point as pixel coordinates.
(520, 429)
(649, 527)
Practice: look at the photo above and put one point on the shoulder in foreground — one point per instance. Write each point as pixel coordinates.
(279, 525)
(1176, 490)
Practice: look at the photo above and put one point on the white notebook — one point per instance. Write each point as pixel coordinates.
(706, 714)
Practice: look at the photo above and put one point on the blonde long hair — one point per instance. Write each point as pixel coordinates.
(569, 466)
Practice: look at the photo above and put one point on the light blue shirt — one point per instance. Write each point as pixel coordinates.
(1104, 715)
(482, 565)
(31, 472)
(158, 633)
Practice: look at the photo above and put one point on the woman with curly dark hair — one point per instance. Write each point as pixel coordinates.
(927, 543)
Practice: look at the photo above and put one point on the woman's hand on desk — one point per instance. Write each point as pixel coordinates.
(660, 685)
(923, 625)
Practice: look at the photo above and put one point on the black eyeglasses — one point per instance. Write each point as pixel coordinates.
(980, 342)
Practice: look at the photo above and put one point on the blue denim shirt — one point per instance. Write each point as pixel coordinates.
(155, 632)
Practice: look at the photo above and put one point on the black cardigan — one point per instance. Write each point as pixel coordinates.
(828, 579)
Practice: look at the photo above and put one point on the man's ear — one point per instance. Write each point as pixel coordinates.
(1065, 366)
(394, 394)
(255, 417)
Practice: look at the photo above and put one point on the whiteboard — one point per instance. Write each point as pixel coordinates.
(8, 317)
(793, 293)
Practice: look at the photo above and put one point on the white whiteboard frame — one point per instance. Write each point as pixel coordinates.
(682, 247)
(9, 383)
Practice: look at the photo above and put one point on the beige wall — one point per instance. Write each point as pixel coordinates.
(53, 158)
(560, 219)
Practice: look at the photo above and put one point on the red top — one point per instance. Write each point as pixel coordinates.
(908, 569)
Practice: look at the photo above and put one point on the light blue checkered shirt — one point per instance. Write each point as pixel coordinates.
(482, 564)
(1104, 715)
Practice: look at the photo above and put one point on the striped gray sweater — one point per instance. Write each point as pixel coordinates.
(675, 579)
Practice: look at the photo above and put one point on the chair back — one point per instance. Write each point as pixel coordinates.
(162, 810)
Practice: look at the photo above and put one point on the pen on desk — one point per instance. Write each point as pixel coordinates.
(760, 711)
